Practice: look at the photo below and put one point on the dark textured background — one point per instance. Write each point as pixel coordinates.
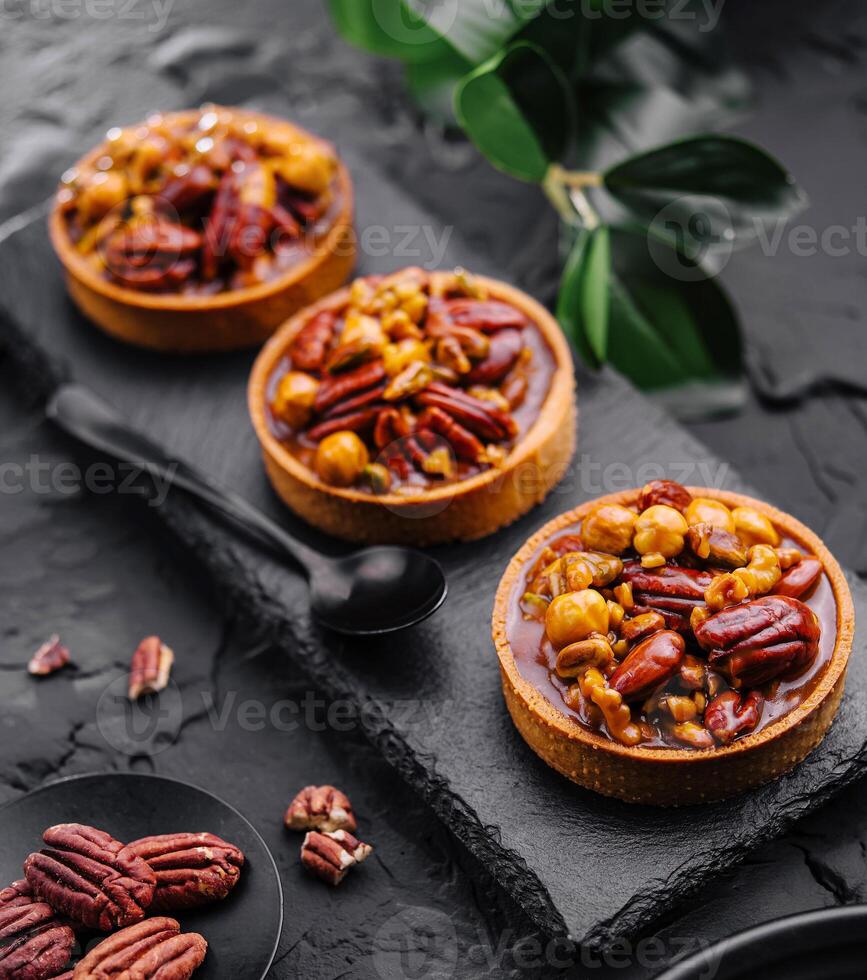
(97, 568)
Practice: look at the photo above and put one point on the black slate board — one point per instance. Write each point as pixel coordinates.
(579, 864)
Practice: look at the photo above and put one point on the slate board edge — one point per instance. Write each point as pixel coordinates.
(39, 374)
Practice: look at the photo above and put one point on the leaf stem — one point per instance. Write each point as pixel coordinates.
(580, 178)
(565, 190)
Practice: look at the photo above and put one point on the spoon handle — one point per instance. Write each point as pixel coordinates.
(83, 414)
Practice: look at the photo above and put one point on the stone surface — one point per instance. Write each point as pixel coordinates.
(810, 467)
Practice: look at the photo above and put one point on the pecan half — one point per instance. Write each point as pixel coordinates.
(155, 949)
(313, 341)
(648, 665)
(34, 945)
(89, 878)
(485, 315)
(320, 808)
(505, 349)
(667, 492)
(51, 656)
(730, 714)
(190, 869)
(671, 590)
(340, 387)
(800, 579)
(464, 443)
(150, 667)
(756, 641)
(329, 856)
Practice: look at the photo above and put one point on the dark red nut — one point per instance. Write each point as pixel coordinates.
(190, 191)
(18, 893)
(313, 341)
(757, 641)
(150, 668)
(347, 385)
(462, 441)
(483, 418)
(36, 954)
(358, 421)
(330, 856)
(155, 949)
(390, 426)
(51, 656)
(666, 492)
(485, 315)
(505, 349)
(671, 590)
(800, 579)
(356, 402)
(649, 665)
(191, 869)
(716, 546)
(320, 808)
(730, 714)
(89, 878)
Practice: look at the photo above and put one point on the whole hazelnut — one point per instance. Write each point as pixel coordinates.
(341, 459)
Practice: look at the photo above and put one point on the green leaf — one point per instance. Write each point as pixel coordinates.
(706, 193)
(669, 322)
(582, 306)
(417, 30)
(388, 27)
(516, 108)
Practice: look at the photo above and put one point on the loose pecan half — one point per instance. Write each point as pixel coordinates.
(18, 893)
(667, 492)
(320, 808)
(671, 590)
(35, 953)
(190, 869)
(730, 714)
(756, 641)
(800, 579)
(51, 656)
(648, 665)
(89, 878)
(329, 856)
(150, 667)
(155, 949)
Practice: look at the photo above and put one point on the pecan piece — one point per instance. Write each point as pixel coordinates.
(351, 383)
(505, 349)
(312, 342)
(18, 893)
(485, 315)
(648, 665)
(672, 590)
(717, 546)
(390, 426)
(150, 668)
(756, 641)
(190, 869)
(667, 492)
(800, 579)
(320, 808)
(329, 856)
(730, 713)
(485, 418)
(155, 949)
(464, 443)
(51, 656)
(89, 878)
(358, 421)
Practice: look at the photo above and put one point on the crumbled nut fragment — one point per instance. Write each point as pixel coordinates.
(323, 808)
(51, 656)
(150, 668)
(330, 856)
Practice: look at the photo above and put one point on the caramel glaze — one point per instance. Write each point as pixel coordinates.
(535, 657)
(539, 374)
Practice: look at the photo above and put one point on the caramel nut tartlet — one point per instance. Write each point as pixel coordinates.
(673, 645)
(415, 408)
(203, 230)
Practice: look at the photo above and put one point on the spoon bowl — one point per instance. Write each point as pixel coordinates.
(377, 590)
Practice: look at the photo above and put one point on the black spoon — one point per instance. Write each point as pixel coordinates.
(376, 590)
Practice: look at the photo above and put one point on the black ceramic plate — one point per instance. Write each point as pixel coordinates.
(830, 944)
(242, 932)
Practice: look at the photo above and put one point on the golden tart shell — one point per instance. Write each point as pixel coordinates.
(465, 510)
(674, 777)
(230, 320)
